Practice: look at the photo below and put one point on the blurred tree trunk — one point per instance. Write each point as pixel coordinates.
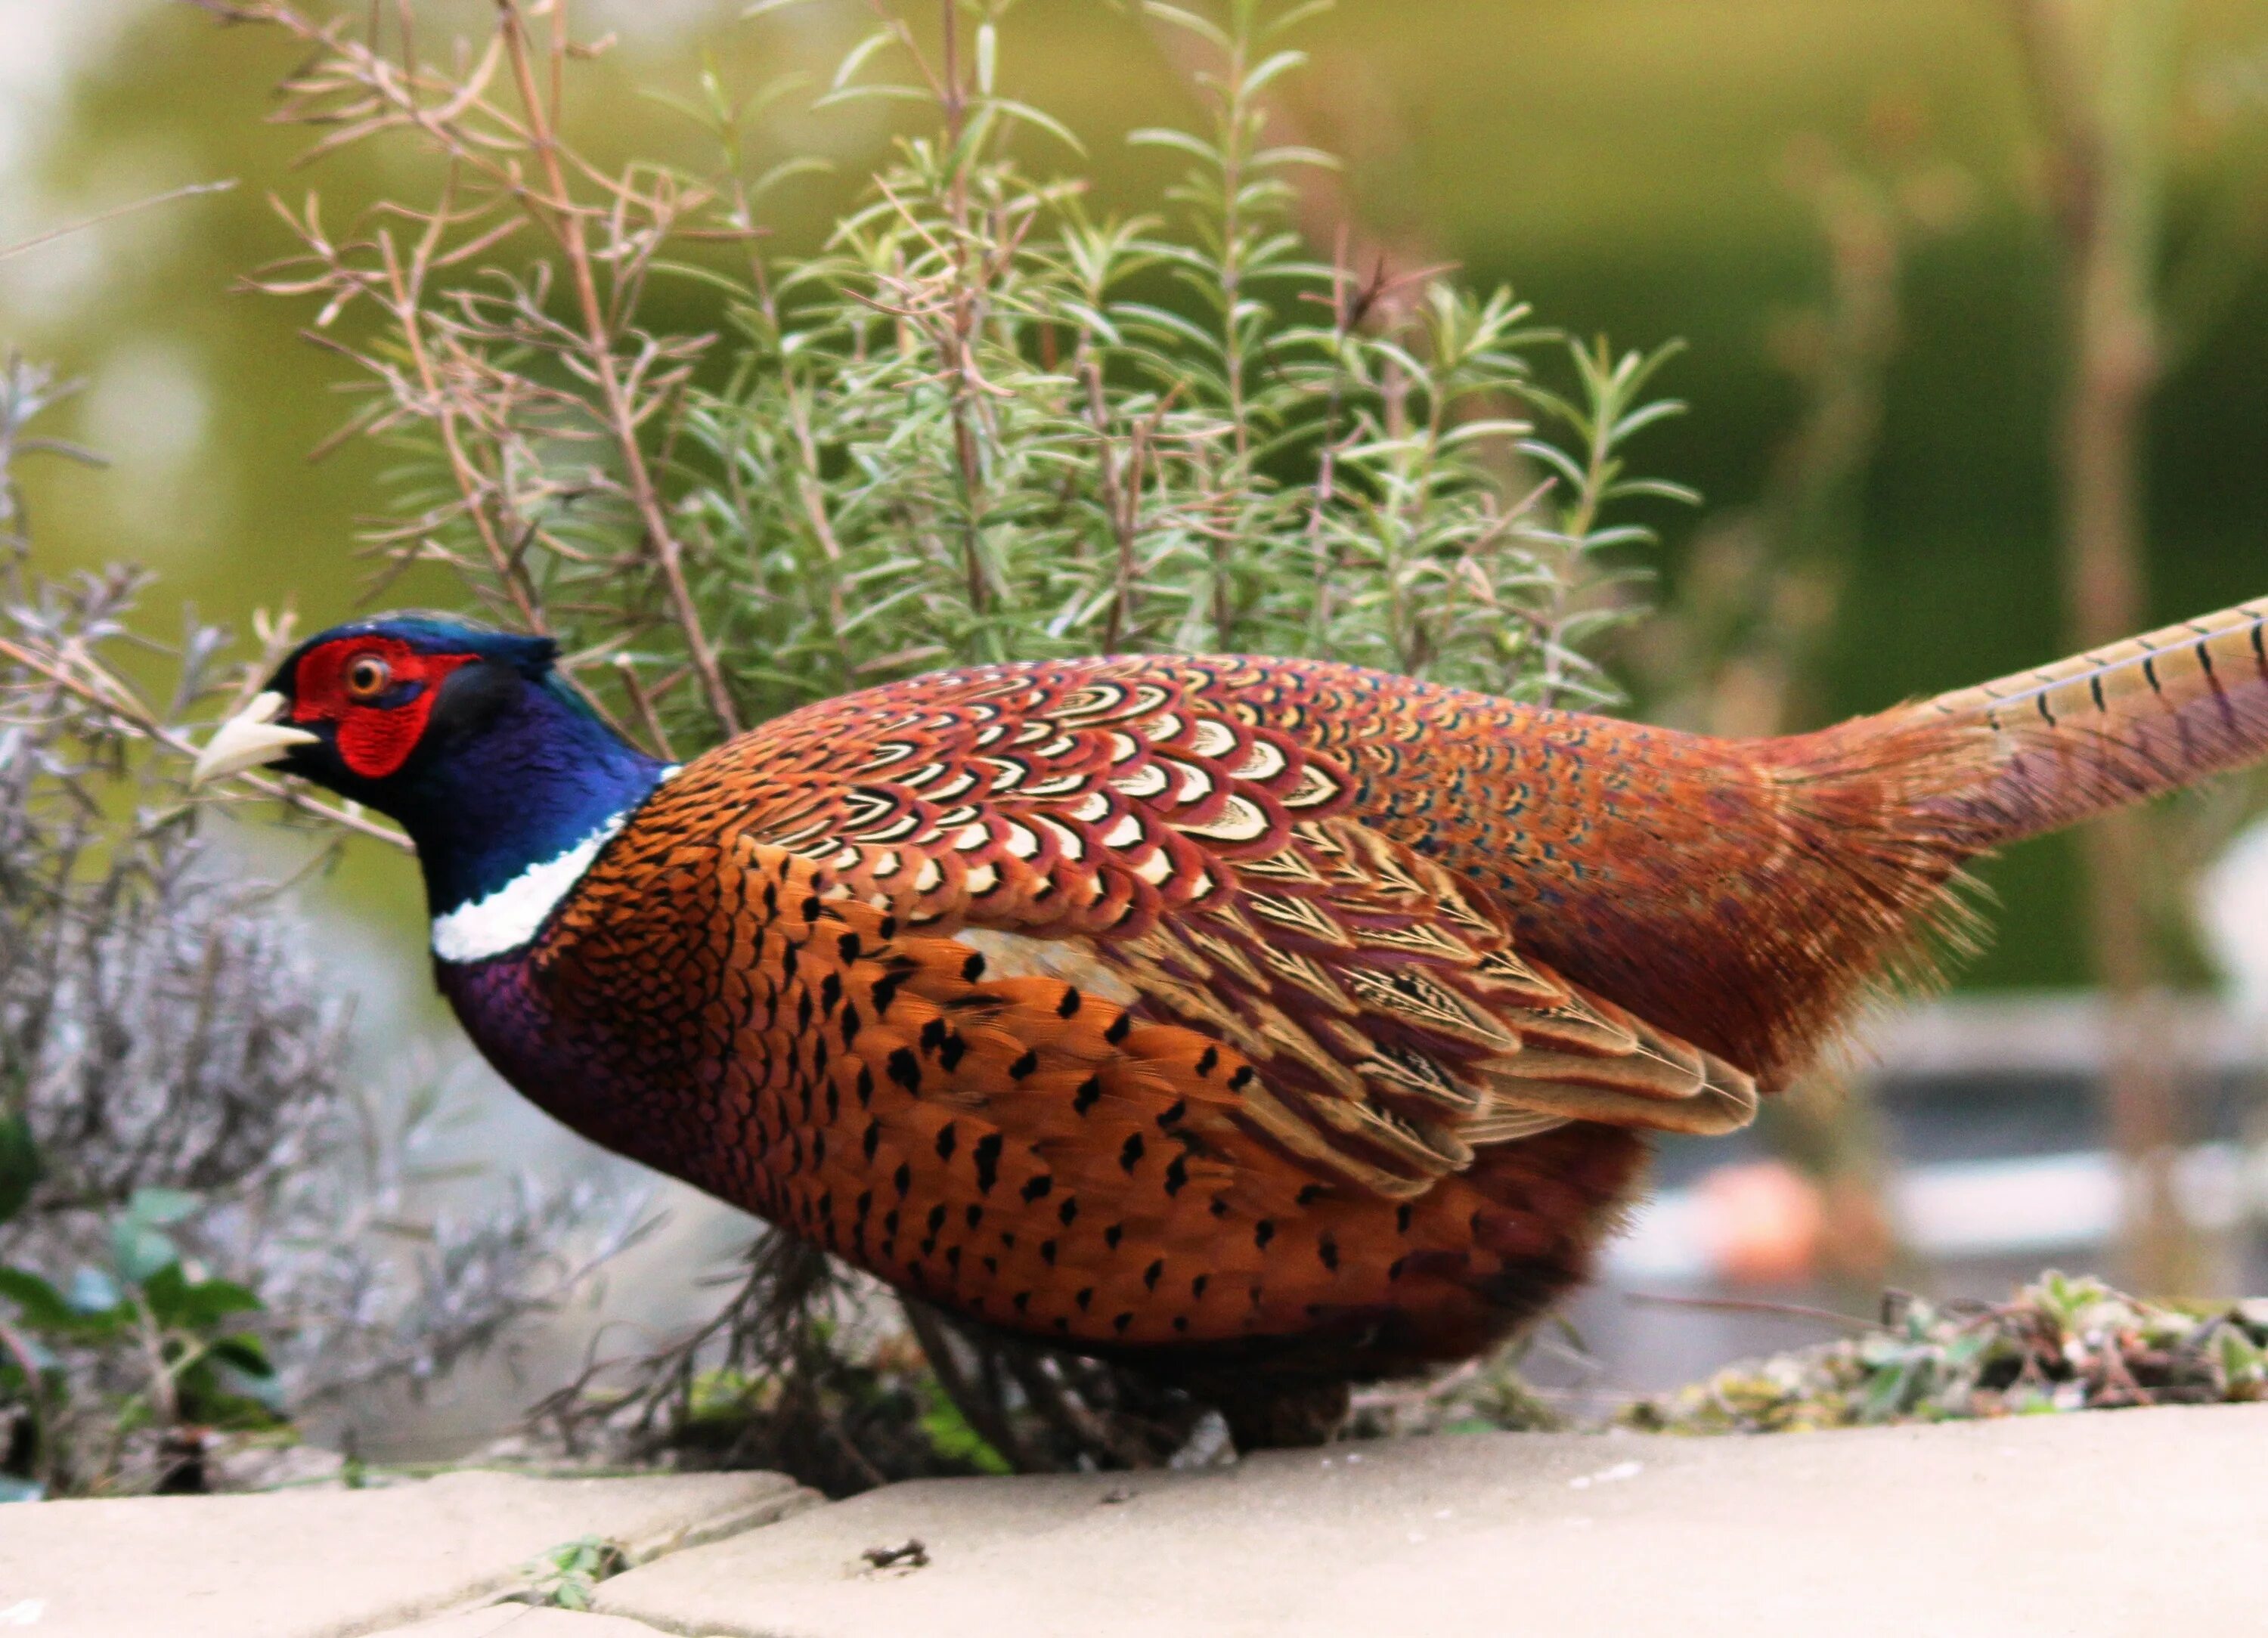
(2102, 71)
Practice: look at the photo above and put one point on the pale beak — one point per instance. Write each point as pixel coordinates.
(248, 740)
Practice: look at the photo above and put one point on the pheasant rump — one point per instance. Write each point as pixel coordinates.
(1267, 1024)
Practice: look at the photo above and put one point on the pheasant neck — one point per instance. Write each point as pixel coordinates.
(509, 918)
(508, 818)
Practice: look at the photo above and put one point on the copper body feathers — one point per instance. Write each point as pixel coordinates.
(1242, 1014)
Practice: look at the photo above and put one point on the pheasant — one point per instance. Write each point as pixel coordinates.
(1268, 1024)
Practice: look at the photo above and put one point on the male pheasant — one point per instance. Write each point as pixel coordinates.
(1267, 1024)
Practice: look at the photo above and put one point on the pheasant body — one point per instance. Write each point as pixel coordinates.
(1256, 1019)
(1157, 1045)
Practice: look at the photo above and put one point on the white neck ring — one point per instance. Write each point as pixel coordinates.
(505, 920)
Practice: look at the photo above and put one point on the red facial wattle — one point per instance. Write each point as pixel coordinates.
(375, 736)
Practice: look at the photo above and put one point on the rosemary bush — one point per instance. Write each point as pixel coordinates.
(982, 423)
(987, 420)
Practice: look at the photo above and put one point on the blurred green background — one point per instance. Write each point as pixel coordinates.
(1631, 166)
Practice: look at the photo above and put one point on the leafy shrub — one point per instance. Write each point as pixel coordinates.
(158, 1345)
(982, 423)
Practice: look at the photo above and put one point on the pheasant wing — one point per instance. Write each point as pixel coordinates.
(1139, 829)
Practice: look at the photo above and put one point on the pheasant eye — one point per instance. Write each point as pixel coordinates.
(367, 677)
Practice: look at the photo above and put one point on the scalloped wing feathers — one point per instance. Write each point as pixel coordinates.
(1218, 868)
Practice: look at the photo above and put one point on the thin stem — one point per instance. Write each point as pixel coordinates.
(2109, 170)
(1232, 158)
(189, 191)
(407, 293)
(983, 1414)
(35, 1400)
(1751, 1305)
(642, 703)
(566, 222)
(1119, 507)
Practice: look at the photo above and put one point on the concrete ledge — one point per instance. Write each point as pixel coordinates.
(513, 1620)
(2102, 1523)
(338, 1563)
(2107, 1523)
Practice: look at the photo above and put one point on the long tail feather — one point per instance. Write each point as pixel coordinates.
(2098, 731)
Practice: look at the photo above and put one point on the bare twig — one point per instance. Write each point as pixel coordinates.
(113, 698)
(623, 415)
(1750, 1305)
(187, 191)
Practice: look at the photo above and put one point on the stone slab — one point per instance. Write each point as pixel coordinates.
(338, 1563)
(2096, 1526)
(513, 1620)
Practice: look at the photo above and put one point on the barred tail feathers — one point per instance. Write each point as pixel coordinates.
(1807, 870)
(2098, 731)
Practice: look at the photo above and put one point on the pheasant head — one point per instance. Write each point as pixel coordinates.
(495, 765)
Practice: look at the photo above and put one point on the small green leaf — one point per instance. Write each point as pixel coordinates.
(19, 1164)
(92, 1292)
(210, 1300)
(139, 1250)
(244, 1353)
(40, 1304)
(952, 1437)
(162, 1207)
(167, 1290)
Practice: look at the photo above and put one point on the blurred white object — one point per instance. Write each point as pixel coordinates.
(2231, 906)
(2046, 1033)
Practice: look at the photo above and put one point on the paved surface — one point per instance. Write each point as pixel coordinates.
(333, 1564)
(2101, 1525)
(2110, 1524)
(513, 1620)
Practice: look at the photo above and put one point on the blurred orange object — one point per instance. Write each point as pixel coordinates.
(1858, 1244)
(1764, 1222)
